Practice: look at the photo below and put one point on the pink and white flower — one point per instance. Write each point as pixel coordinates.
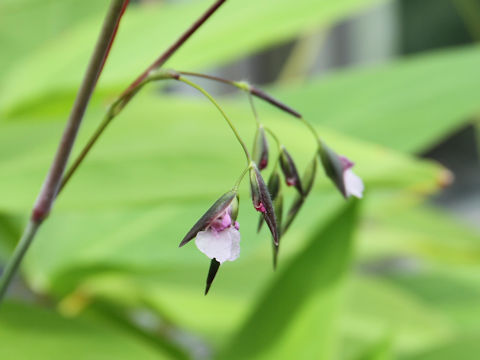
(340, 170)
(221, 239)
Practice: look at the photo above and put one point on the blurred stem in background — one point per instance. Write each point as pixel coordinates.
(302, 57)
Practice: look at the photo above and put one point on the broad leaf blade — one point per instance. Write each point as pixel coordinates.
(319, 267)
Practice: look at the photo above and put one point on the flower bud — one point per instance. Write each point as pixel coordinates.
(260, 149)
(290, 170)
(339, 169)
(273, 188)
(307, 181)
(262, 201)
(212, 213)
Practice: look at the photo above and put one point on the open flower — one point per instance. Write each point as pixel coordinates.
(216, 232)
(339, 169)
(221, 239)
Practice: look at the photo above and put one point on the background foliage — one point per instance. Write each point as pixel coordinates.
(389, 277)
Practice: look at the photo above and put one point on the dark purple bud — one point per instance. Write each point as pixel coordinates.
(262, 201)
(273, 188)
(212, 271)
(260, 149)
(290, 170)
(211, 215)
(308, 180)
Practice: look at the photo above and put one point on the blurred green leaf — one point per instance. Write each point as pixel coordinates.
(408, 105)
(452, 291)
(431, 235)
(461, 349)
(151, 153)
(33, 333)
(301, 300)
(149, 29)
(375, 308)
(26, 25)
(378, 351)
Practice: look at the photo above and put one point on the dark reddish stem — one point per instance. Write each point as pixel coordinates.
(52, 182)
(174, 47)
(122, 11)
(50, 187)
(128, 93)
(253, 90)
(264, 96)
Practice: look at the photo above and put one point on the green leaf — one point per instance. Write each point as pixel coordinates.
(300, 300)
(375, 308)
(382, 350)
(431, 235)
(148, 30)
(27, 25)
(149, 155)
(464, 349)
(407, 105)
(33, 333)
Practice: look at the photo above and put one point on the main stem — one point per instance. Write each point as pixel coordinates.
(50, 187)
(20, 250)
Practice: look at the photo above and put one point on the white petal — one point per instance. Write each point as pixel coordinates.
(223, 245)
(353, 184)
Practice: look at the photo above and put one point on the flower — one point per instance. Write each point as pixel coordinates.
(339, 169)
(221, 239)
(352, 182)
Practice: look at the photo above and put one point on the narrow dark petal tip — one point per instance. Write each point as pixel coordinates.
(212, 271)
(275, 256)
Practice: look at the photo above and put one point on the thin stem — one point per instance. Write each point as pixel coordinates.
(50, 187)
(116, 107)
(261, 95)
(213, 101)
(249, 88)
(254, 110)
(242, 175)
(17, 256)
(135, 86)
(313, 131)
(175, 46)
(272, 134)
